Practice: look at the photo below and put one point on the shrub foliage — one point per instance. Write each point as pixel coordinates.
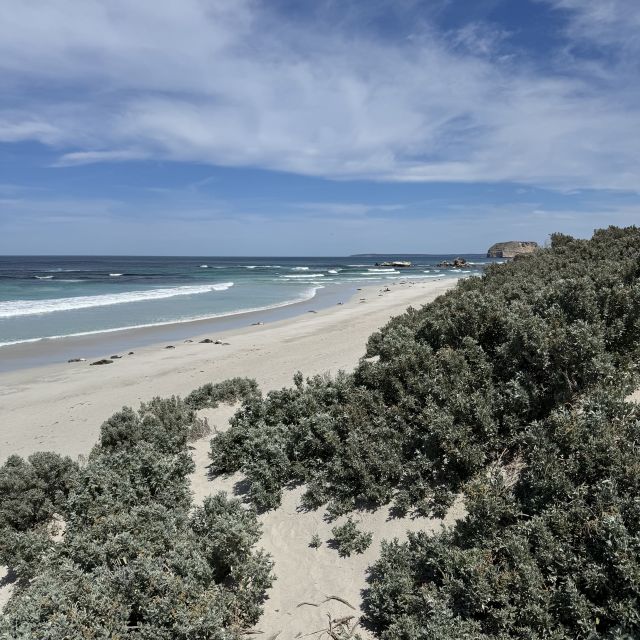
(517, 372)
(136, 557)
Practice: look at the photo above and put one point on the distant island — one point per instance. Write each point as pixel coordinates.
(511, 249)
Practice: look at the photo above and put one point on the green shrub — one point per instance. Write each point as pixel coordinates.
(348, 539)
(134, 558)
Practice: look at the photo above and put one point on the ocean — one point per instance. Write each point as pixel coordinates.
(50, 297)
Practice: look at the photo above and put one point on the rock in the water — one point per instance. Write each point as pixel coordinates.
(456, 264)
(512, 248)
(103, 361)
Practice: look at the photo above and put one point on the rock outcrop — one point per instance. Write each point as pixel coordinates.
(511, 249)
(457, 263)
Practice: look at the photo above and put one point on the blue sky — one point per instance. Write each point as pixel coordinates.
(327, 127)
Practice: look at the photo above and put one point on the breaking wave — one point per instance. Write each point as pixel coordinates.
(14, 308)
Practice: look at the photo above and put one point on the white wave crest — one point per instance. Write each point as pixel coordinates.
(115, 275)
(299, 268)
(304, 275)
(43, 277)
(379, 270)
(14, 308)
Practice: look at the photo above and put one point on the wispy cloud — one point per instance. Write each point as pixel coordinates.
(232, 82)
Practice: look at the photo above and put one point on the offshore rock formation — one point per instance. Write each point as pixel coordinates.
(511, 249)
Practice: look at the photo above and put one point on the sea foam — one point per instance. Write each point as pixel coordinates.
(14, 308)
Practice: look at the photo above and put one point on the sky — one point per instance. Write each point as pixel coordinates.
(314, 127)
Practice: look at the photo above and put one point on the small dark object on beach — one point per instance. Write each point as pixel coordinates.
(188, 341)
(130, 353)
(169, 346)
(255, 324)
(206, 341)
(218, 342)
(116, 357)
(340, 302)
(311, 311)
(76, 360)
(103, 361)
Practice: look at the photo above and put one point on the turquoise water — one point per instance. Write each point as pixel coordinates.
(56, 296)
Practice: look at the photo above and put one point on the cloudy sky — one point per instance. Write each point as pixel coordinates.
(327, 127)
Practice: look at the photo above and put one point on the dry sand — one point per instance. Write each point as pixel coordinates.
(61, 407)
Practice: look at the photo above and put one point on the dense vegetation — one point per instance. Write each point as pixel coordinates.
(135, 556)
(508, 390)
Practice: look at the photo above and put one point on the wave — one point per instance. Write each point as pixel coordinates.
(14, 308)
(204, 266)
(43, 277)
(333, 270)
(115, 275)
(304, 275)
(299, 268)
(307, 295)
(379, 270)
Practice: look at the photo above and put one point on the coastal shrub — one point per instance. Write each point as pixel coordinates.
(32, 491)
(135, 557)
(550, 552)
(227, 392)
(445, 390)
(348, 539)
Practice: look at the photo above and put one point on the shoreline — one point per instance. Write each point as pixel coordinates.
(60, 407)
(37, 352)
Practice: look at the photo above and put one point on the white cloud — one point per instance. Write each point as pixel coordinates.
(227, 82)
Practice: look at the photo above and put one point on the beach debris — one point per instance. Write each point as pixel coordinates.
(116, 357)
(102, 361)
(339, 599)
(76, 360)
(206, 341)
(187, 341)
(169, 346)
(312, 311)
(340, 302)
(130, 353)
(256, 324)
(310, 604)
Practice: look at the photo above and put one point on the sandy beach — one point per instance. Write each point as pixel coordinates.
(61, 407)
